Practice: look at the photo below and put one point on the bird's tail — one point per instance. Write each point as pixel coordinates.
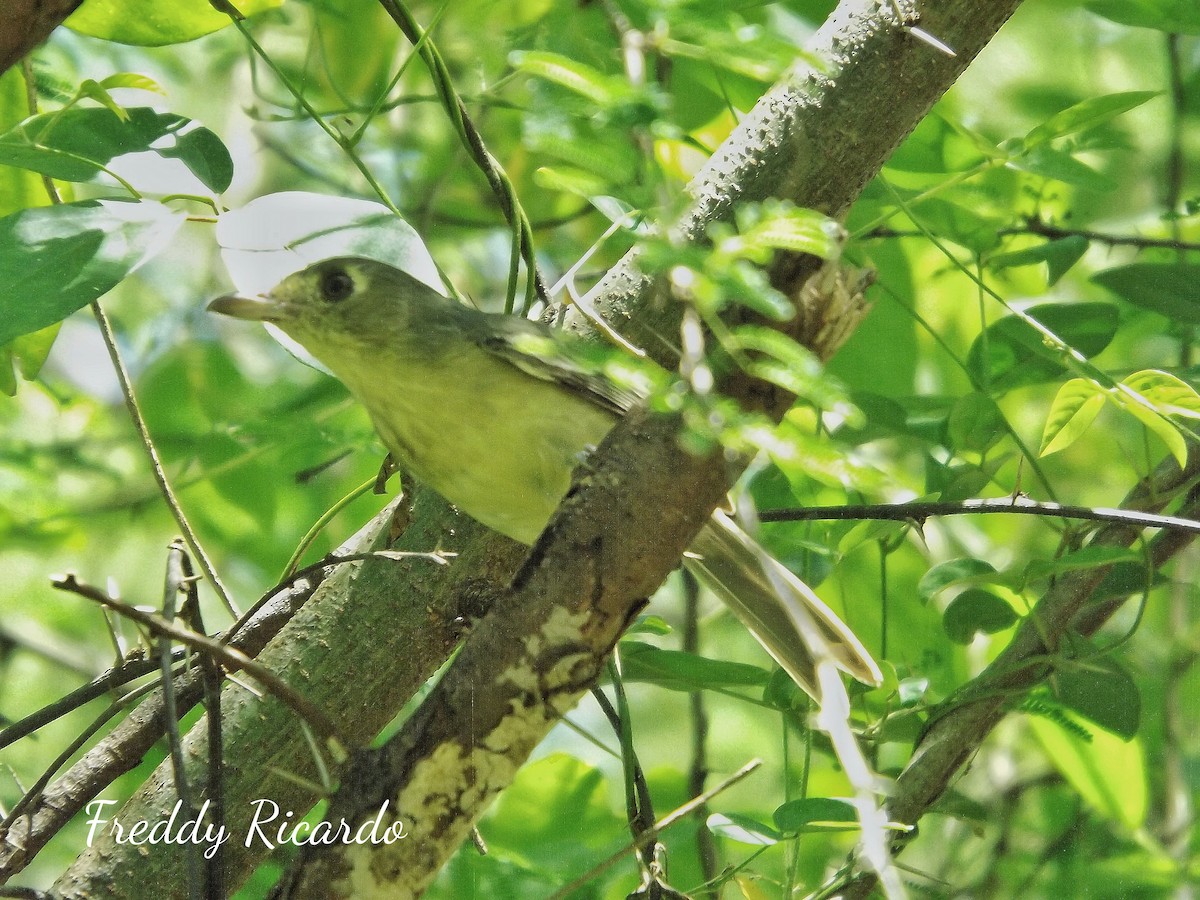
(789, 620)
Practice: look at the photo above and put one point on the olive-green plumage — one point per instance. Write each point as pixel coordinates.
(493, 412)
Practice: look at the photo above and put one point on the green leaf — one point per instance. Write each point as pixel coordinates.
(205, 156)
(781, 360)
(1075, 407)
(1059, 165)
(55, 259)
(1164, 429)
(1086, 558)
(1170, 395)
(555, 813)
(1058, 255)
(1171, 289)
(1172, 16)
(601, 89)
(1108, 773)
(570, 180)
(958, 223)
(1017, 354)
(975, 423)
(133, 80)
(29, 351)
(77, 143)
(811, 813)
(19, 188)
(743, 829)
(1088, 114)
(956, 571)
(778, 226)
(1103, 693)
(94, 91)
(976, 610)
(155, 23)
(649, 624)
(873, 531)
(681, 671)
(936, 146)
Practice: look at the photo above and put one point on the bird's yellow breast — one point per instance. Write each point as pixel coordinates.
(496, 442)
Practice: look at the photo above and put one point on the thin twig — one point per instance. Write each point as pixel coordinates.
(82, 695)
(178, 580)
(918, 512)
(1046, 229)
(219, 651)
(160, 475)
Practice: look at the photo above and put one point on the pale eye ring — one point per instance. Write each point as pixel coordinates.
(336, 285)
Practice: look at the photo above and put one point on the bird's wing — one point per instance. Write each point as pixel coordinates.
(553, 355)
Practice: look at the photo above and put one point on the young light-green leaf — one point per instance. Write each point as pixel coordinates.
(1165, 429)
(1075, 407)
(155, 23)
(1170, 395)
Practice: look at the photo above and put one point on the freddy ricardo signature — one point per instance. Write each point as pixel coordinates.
(268, 826)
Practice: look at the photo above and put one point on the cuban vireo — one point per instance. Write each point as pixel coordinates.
(470, 404)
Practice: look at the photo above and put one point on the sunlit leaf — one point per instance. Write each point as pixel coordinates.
(1075, 407)
(579, 78)
(1163, 428)
(1108, 772)
(154, 23)
(1170, 395)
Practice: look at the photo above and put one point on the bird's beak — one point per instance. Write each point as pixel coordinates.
(260, 308)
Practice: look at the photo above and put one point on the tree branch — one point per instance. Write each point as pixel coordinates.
(27, 23)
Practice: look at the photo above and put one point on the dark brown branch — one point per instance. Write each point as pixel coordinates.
(27, 23)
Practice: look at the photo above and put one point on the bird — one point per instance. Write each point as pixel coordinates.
(493, 411)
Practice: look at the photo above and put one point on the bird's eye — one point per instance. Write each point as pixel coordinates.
(336, 285)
